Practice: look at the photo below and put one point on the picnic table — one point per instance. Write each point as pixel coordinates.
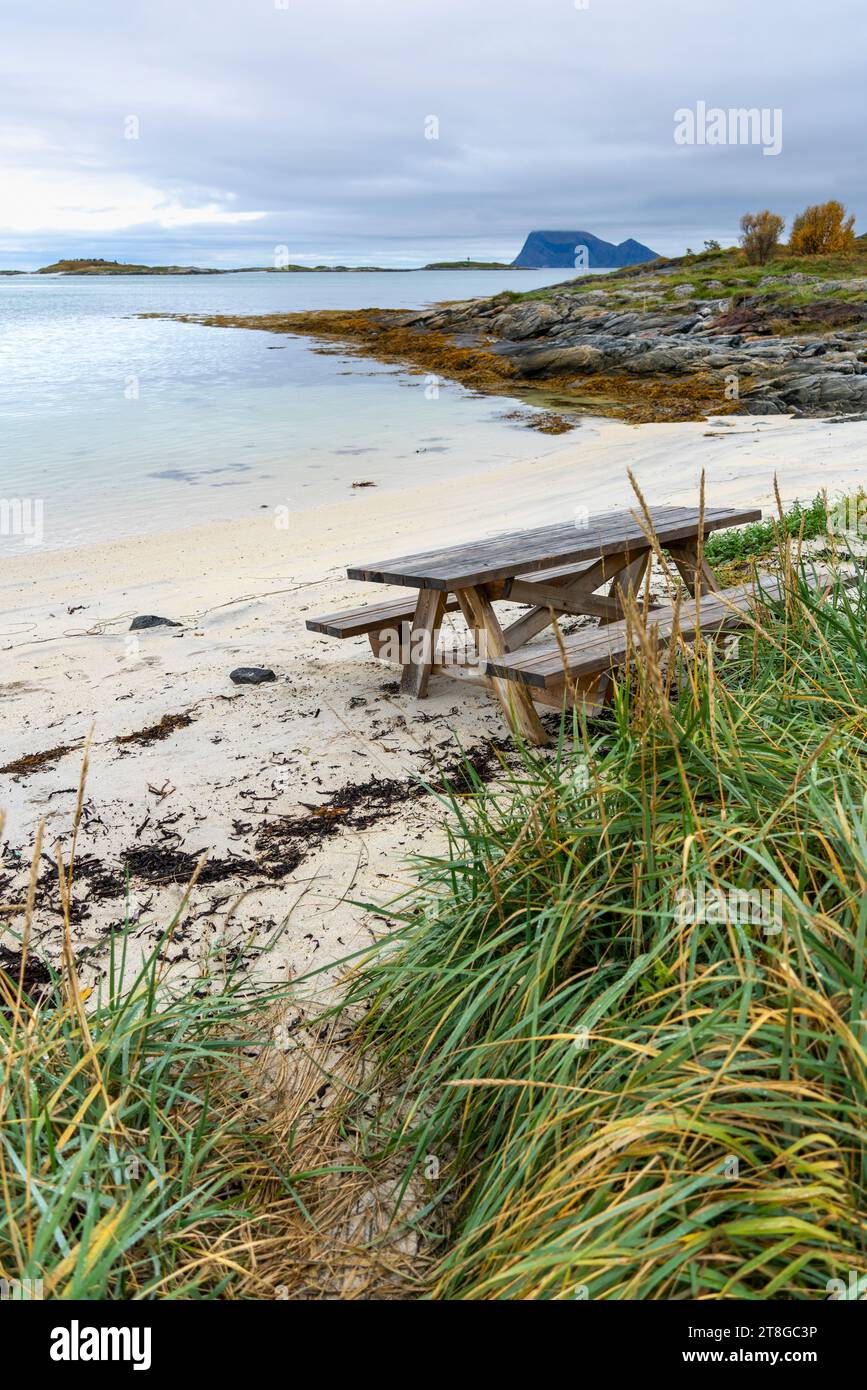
(555, 571)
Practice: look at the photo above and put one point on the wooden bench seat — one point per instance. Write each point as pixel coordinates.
(383, 617)
(594, 650)
(373, 617)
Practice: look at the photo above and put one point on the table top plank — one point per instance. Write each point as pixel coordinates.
(525, 552)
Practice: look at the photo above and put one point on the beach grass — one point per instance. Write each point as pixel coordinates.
(626, 1008)
(166, 1137)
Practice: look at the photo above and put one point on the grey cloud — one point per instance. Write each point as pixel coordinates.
(549, 116)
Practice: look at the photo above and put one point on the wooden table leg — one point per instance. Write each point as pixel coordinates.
(469, 619)
(514, 698)
(685, 556)
(632, 575)
(429, 612)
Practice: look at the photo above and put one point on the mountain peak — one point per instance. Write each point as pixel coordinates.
(562, 249)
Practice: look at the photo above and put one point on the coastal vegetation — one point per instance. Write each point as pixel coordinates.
(760, 235)
(580, 1063)
(822, 230)
(731, 553)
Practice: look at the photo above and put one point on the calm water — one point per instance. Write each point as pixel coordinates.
(111, 425)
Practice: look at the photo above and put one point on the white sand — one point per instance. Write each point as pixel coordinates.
(254, 755)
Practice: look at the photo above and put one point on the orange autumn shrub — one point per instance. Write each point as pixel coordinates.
(821, 229)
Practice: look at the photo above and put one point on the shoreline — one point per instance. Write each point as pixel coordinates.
(669, 340)
(590, 445)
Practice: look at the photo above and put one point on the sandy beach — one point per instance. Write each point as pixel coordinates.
(302, 790)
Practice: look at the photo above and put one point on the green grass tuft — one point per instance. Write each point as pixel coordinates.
(759, 539)
(614, 1097)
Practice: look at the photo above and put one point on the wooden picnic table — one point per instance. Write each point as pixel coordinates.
(555, 570)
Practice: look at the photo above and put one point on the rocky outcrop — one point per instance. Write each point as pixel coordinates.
(804, 359)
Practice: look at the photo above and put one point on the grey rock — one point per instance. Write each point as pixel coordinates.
(857, 284)
(622, 323)
(251, 675)
(587, 358)
(145, 620)
(526, 320)
(684, 291)
(557, 361)
(762, 405)
(661, 359)
(819, 389)
(797, 277)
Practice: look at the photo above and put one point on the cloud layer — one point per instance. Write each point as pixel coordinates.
(218, 131)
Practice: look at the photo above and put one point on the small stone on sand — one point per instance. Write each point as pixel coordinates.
(151, 620)
(251, 675)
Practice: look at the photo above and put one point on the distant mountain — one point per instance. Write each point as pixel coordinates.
(554, 249)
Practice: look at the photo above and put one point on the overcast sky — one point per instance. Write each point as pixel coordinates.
(305, 127)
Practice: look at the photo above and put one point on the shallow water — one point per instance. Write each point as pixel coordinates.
(112, 425)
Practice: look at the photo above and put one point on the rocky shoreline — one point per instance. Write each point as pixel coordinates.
(757, 370)
(666, 341)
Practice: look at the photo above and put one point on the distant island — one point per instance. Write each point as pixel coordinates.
(554, 250)
(102, 267)
(472, 265)
(541, 251)
(98, 266)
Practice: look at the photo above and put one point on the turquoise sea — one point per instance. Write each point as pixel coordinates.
(112, 425)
